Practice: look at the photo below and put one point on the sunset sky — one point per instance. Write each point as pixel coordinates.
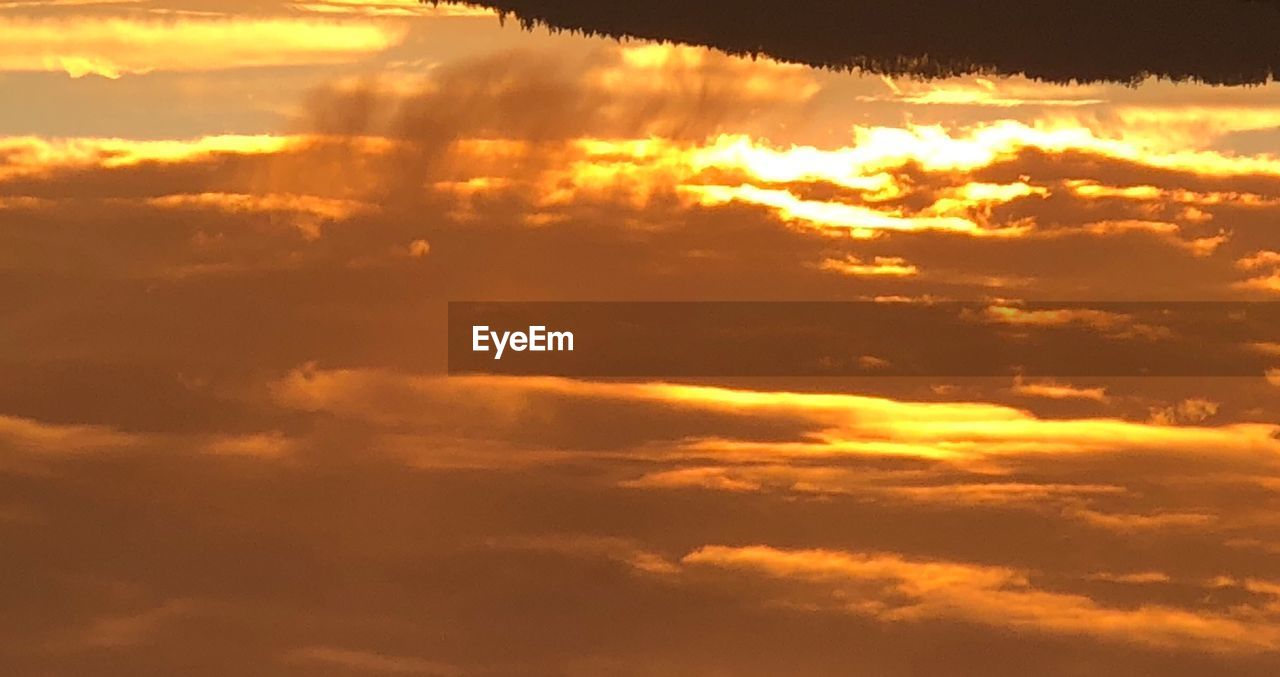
(228, 233)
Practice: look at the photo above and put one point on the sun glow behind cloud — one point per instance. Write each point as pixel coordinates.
(214, 327)
(841, 424)
(872, 169)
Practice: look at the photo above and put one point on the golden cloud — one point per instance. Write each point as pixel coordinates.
(369, 661)
(1266, 283)
(977, 91)
(27, 155)
(881, 266)
(1124, 522)
(29, 436)
(1259, 259)
(1057, 391)
(1119, 325)
(119, 46)
(839, 424)
(892, 588)
(309, 212)
(396, 8)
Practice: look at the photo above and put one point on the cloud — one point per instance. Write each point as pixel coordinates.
(956, 430)
(719, 479)
(27, 441)
(309, 212)
(858, 222)
(609, 151)
(1132, 578)
(829, 424)
(371, 662)
(939, 148)
(1118, 325)
(395, 8)
(28, 436)
(892, 588)
(164, 294)
(1170, 232)
(115, 632)
(1193, 410)
(1093, 190)
(1266, 283)
(1128, 523)
(270, 445)
(618, 550)
(1259, 259)
(28, 4)
(1017, 494)
(1057, 391)
(978, 91)
(558, 158)
(419, 248)
(666, 68)
(29, 155)
(116, 47)
(910, 487)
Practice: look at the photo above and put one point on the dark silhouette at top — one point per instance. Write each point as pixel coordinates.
(1228, 42)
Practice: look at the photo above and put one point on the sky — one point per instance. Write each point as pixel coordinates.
(228, 445)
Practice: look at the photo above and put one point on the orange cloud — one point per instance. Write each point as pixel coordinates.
(739, 169)
(881, 266)
(26, 155)
(896, 486)
(1265, 347)
(1203, 246)
(29, 436)
(1259, 259)
(838, 424)
(1090, 189)
(119, 46)
(1120, 325)
(368, 661)
(977, 91)
(859, 222)
(1129, 522)
(24, 441)
(1057, 391)
(719, 479)
(892, 588)
(396, 8)
(1267, 283)
(659, 67)
(619, 550)
(309, 212)
(1192, 410)
(1141, 577)
(113, 632)
(272, 445)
